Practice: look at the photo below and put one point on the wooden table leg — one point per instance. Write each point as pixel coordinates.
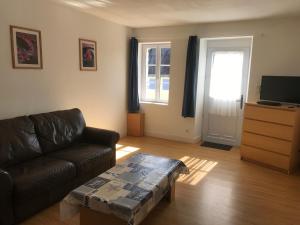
(170, 196)
(91, 217)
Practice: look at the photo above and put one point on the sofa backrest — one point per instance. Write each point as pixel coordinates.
(56, 130)
(18, 141)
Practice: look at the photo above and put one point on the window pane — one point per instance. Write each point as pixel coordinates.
(164, 70)
(165, 56)
(151, 55)
(164, 88)
(150, 88)
(151, 70)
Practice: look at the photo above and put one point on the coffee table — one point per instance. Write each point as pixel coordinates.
(126, 193)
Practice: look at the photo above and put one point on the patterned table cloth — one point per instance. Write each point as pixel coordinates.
(129, 190)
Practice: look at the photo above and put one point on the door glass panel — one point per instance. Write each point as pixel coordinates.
(225, 82)
(226, 75)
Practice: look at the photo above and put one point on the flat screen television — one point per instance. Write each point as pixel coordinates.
(282, 89)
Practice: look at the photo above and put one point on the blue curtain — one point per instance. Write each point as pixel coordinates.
(191, 76)
(133, 96)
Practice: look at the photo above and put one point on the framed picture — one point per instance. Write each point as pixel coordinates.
(26, 48)
(88, 55)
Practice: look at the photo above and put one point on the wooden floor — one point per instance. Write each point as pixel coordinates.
(220, 190)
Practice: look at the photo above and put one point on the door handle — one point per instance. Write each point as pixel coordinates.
(242, 102)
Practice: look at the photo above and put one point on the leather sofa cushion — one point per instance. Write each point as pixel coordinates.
(56, 130)
(38, 177)
(18, 141)
(90, 159)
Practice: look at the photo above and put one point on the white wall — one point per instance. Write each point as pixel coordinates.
(276, 47)
(100, 95)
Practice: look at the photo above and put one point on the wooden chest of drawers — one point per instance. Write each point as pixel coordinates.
(271, 136)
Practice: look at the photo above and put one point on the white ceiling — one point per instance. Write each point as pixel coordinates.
(145, 13)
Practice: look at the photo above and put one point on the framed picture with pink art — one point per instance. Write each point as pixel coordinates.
(26, 48)
(88, 55)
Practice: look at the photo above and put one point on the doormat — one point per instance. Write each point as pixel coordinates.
(216, 146)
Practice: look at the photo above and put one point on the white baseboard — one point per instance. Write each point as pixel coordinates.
(191, 140)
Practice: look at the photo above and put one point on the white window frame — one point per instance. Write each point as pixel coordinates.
(143, 70)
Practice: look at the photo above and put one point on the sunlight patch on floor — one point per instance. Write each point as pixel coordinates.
(123, 151)
(118, 146)
(199, 168)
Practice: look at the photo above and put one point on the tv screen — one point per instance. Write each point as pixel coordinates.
(284, 89)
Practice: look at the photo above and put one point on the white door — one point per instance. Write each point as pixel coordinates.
(226, 83)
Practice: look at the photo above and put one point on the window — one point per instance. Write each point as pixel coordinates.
(155, 72)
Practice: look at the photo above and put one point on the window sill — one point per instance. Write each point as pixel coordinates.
(154, 103)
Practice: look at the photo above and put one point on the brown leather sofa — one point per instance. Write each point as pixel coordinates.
(45, 156)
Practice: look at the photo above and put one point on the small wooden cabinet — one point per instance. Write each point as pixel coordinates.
(271, 136)
(135, 124)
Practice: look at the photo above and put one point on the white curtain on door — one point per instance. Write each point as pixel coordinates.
(225, 82)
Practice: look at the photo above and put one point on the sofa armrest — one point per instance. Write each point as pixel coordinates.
(101, 136)
(6, 192)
